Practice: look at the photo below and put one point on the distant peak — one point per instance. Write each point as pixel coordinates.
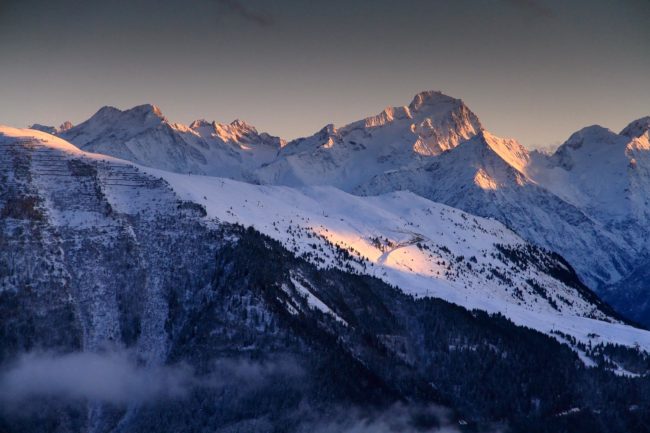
(238, 123)
(200, 123)
(43, 128)
(146, 109)
(430, 97)
(435, 104)
(590, 134)
(328, 130)
(594, 130)
(65, 126)
(107, 110)
(637, 128)
(594, 138)
(51, 129)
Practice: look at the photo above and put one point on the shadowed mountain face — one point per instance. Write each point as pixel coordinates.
(106, 273)
(607, 175)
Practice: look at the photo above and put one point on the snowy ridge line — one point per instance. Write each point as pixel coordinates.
(422, 247)
(331, 228)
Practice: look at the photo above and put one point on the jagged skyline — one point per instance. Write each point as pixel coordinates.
(532, 70)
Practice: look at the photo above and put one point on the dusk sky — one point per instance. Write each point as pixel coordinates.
(535, 70)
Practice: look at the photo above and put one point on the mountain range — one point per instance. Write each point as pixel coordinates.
(410, 263)
(587, 201)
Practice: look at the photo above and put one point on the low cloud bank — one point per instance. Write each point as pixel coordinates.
(116, 377)
(111, 377)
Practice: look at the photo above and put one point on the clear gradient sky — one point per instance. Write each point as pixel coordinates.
(535, 70)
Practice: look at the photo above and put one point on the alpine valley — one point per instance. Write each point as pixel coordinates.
(406, 272)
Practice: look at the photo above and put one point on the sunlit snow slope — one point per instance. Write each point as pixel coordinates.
(425, 248)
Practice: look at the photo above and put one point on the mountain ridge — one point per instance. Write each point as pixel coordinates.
(240, 297)
(430, 146)
(424, 248)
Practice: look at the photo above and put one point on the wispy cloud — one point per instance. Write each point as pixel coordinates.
(113, 377)
(116, 377)
(239, 8)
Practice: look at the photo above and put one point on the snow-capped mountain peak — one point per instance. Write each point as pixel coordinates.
(590, 135)
(439, 122)
(606, 175)
(442, 120)
(107, 111)
(241, 124)
(121, 123)
(431, 98)
(237, 133)
(242, 132)
(586, 143)
(398, 137)
(146, 110)
(200, 123)
(637, 128)
(144, 135)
